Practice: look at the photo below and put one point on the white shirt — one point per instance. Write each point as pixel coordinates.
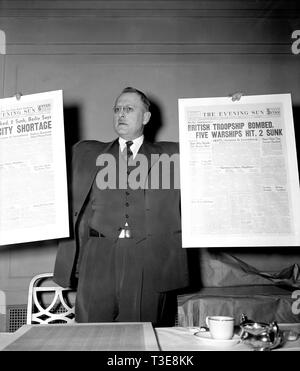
(137, 142)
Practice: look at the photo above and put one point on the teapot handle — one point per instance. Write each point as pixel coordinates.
(207, 321)
(274, 327)
(274, 332)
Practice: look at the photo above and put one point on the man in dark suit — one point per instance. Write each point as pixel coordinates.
(125, 255)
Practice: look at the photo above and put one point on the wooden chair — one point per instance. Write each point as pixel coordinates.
(49, 303)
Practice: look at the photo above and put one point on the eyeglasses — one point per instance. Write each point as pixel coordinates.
(126, 109)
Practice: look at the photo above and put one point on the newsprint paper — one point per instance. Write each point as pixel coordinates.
(33, 182)
(238, 172)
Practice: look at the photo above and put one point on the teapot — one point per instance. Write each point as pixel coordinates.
(259, 335)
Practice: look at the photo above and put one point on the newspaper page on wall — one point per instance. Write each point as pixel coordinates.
(33, 181)
(238, 172)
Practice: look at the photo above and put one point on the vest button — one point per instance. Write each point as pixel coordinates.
(127, 204)
(127, 193)
(126, 216)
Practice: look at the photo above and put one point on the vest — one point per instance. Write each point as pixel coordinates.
(112, 208)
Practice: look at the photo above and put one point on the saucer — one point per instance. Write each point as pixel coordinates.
(206, 338)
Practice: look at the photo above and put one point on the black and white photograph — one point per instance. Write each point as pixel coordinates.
(149, 178)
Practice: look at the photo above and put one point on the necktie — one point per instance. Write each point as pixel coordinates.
(129, 143)
(129, 153)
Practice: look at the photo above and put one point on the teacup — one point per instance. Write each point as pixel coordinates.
(220, 327)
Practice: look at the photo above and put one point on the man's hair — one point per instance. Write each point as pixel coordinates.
(143, 97)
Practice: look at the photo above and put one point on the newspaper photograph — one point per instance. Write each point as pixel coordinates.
(33, 181)
(238, 172)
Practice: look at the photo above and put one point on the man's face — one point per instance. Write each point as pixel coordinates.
(130, 116)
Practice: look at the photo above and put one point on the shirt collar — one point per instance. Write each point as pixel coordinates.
(137, 142)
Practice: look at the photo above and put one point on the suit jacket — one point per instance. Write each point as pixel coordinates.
(164, 261)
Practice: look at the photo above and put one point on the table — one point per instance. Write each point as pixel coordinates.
(183, 339)
(118, 336)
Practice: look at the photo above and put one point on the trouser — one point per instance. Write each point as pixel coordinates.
(112, 286)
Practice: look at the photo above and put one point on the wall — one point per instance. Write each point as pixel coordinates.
(169, 49)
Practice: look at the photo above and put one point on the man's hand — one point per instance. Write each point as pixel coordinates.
(236, 96)
(18, 95)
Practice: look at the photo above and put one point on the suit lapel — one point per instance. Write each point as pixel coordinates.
(91, 170)
(148, 149)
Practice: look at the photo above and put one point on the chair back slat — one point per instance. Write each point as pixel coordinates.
(56, 310)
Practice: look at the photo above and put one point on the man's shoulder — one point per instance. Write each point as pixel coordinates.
(85, 146)
(89, 144)
(87, 150)
(168, 147)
